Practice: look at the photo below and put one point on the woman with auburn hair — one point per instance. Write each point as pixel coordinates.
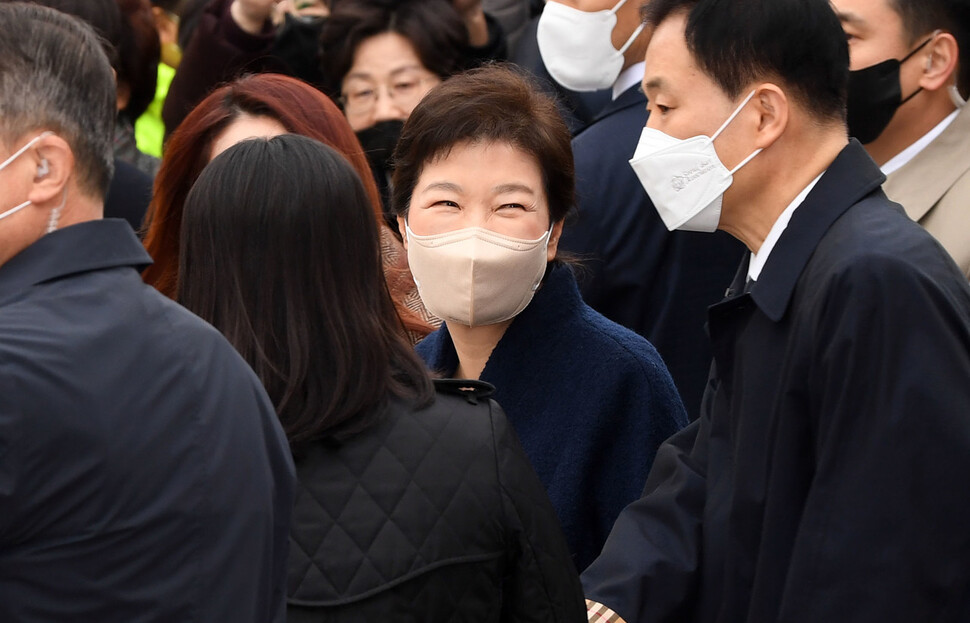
(263, 105)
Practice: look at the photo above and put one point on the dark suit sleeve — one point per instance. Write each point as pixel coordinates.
(541, 582)
(11, 447)
(883, 534)
(648, 568)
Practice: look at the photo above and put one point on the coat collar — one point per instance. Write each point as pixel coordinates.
(921, 183)
(528, 336)
(94, 245)
(628, 99)
(850, 177)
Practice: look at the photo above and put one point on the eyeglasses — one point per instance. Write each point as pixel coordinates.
(359, 97)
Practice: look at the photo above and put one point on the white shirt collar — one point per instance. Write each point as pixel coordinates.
(628, 77)
(759, 259)
(902, 158)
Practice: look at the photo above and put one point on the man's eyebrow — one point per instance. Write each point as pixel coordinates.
(848, 17)
(654, 83)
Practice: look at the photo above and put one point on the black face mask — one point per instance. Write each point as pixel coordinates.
(379, 142)
(875, 94)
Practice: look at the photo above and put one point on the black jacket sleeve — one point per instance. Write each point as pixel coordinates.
(541, 582)
(650, 563)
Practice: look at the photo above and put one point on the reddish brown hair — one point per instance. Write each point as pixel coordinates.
(302, 110)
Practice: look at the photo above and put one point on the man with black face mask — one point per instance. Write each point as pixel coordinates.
(910, 64)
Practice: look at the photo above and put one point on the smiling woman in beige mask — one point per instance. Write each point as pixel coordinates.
(483, 184)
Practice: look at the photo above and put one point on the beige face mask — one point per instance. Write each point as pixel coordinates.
(475, 276)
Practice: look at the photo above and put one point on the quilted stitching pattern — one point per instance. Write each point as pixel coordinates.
(419, 489)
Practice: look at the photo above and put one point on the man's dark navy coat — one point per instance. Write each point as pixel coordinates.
(640, 275)
(827, 477)
(143, 472)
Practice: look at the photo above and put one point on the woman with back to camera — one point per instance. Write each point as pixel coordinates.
(262, 105)
(483, 182)
(412, 504)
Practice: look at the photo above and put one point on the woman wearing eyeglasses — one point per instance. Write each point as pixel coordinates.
(381, 57)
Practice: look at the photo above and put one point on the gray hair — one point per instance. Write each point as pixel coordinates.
(54, 75)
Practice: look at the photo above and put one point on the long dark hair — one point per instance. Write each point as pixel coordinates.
(280, 252)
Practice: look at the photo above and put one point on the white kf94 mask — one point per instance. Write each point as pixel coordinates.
(684, 178)
(475, 276)
(577, 46)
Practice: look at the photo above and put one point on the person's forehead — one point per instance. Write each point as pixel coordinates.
(873, 14)
(669, 63)
(382, 55)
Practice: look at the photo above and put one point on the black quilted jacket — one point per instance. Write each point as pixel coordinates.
(433, 516)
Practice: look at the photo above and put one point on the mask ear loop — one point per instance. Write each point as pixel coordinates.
(20, 151)
(636, 33)
(724, 125)
(633, 37)
(736, 112)
(617, 6)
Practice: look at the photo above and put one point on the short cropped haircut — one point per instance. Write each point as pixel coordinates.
(798, 42)
(921, 17)
(492, 104)
(433, 27)
(54, 75)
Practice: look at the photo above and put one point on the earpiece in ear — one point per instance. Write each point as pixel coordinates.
(43, 168)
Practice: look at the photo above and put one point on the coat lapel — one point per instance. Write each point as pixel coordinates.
(922, 182)
(851, 177)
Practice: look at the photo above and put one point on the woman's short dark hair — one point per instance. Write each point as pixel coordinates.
(737, 42)
(492, 104)
(280, 252)
(433, 27)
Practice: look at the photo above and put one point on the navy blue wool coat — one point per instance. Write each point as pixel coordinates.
(826, 478)
(590, 400)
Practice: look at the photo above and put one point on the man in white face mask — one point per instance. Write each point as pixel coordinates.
(819, 478)
(640, 275)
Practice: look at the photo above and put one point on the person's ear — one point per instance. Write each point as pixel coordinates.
(401, 227)
(773, 109)
(122, 95)
(55, 166)
(942, 55)
(554, 241)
